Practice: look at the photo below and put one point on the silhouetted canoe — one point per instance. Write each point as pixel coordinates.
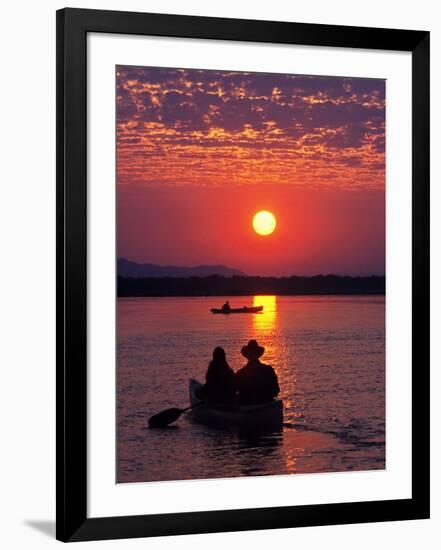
(251, 309)
(256, 417)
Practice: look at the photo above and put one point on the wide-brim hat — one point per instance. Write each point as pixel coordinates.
(252, 350)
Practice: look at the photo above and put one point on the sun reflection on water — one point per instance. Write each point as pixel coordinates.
(265, 326)
(265, 321)
(278, 352)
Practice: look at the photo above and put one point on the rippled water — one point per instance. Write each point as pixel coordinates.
(328, 353)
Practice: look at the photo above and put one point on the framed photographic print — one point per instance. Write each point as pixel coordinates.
(242, 274)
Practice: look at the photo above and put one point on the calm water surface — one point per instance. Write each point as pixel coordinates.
(328, 353)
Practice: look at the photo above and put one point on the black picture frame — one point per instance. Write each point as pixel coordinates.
(71, 320)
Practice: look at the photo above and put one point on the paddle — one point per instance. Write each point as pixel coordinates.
(164, 418)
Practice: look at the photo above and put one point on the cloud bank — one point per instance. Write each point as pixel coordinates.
(180, 127)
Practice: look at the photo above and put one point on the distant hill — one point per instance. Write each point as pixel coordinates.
(133, 270)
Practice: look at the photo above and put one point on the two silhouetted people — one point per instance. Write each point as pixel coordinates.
(253, 384)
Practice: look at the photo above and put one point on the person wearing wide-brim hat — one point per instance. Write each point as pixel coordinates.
(255, 382)
(252, 350)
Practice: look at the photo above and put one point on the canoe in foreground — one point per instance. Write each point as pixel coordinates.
(257, 417)
(251, 309)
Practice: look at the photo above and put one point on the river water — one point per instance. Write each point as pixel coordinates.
(329, 355)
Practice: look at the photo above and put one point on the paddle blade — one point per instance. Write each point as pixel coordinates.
(164, 418)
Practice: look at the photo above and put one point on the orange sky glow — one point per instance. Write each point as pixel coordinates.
(200, 152)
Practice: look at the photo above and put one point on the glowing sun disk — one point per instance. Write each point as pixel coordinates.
(264, 222)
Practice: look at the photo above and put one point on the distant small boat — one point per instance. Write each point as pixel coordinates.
(257, 417)
(251, 309)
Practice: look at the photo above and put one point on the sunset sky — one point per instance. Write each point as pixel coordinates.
(200, 152)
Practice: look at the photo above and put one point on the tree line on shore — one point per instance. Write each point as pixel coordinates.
(216, 285)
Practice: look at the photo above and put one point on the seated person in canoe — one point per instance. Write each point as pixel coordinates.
(219, 386)
(256, 382)
(226, 306)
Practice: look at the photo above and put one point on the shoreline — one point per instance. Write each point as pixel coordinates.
(344, 294)
(319, 285)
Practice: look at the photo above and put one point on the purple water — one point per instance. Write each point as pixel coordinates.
(328, 353)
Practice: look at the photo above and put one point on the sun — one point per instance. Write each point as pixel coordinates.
(264, 222)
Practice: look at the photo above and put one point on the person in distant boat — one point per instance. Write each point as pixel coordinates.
(256, 382)
(219, 386)
(226, 306)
